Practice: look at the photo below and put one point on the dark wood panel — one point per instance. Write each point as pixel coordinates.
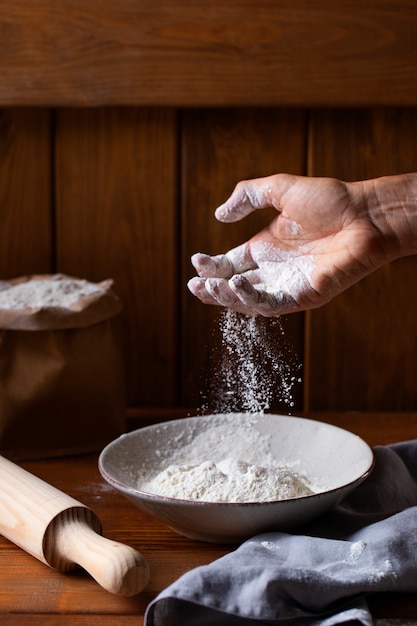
(116, 218)
(240, 52)
(219, 149)
(362, 347)
(26, 233)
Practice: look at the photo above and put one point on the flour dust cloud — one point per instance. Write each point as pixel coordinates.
(256, 367)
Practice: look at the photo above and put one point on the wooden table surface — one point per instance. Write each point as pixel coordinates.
(32, 593)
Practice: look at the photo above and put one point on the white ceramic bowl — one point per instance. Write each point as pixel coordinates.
(335, 460)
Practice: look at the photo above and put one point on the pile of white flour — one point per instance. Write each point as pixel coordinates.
(231, 480)
(53, 291)
(226, 463)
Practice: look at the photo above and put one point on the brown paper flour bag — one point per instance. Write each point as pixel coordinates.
(62, 379)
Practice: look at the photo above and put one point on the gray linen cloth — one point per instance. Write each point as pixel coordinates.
(319, 575)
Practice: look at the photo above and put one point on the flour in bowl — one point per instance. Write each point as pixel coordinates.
(231, 480)
(225, 463)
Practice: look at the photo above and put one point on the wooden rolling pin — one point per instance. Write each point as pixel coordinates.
(63, 533)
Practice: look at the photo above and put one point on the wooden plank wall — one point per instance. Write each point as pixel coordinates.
(123, 125)
(362, 347)
(129, 193)
(186, 53)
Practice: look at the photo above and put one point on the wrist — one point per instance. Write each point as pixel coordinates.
(391, 204)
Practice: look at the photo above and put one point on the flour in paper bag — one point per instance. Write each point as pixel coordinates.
(57, 290)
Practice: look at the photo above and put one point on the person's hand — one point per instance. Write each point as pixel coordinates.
(327, 235)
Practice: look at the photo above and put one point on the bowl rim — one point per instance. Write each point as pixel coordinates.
(133, 491)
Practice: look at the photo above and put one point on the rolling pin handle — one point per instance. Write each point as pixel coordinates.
(63, 533)
(118, 568)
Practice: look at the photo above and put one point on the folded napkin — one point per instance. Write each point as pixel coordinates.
(318, 576)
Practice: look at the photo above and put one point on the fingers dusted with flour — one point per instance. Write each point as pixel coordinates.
(236, 261)
(278, 283)
(218, 291)
(261, 302)
(211, 285)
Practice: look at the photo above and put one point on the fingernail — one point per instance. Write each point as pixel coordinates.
(221, 213)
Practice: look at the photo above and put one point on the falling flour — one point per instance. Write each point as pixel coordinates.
(45, 292)
(256, 366)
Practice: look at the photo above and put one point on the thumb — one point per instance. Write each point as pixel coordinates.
(244, 200)
(250, 195)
